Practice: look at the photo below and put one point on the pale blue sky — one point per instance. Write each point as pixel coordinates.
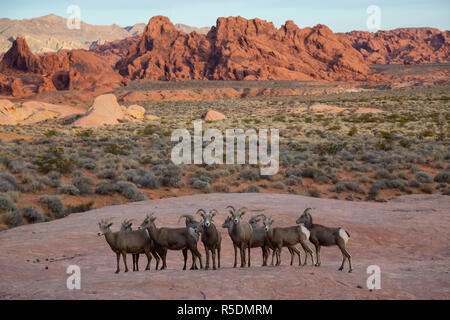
(340, 16)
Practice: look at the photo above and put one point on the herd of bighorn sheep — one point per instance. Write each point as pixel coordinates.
(153, 241)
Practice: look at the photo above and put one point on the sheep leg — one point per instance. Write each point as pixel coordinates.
(264, 253)
(248, 248)
(133, 257)
(235, 255)
(213, 251)
(124, 256)
(295, 250)
(194, 261)
(163, 257)
(307, 251)
(345, 255)
(199, 256)
(118, 260)
(185, 257)
(279, 256)
(242, 248)
(292, 255)
(149, 259)
(218, 256)
(317, 254)
(136, 258)
(156, 256)
(207, 258)
(273, 254)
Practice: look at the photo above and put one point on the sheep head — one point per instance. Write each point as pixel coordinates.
(104, 226)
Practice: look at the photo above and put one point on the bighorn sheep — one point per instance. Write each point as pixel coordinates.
(171, 239)
(121, 243)
(211, 237)
(126, 226)
(195, 227)
(325, 236)
(241, 234)
(287, 237)
(259, 239)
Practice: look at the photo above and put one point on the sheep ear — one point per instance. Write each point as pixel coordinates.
(242, 213)
(109, 224)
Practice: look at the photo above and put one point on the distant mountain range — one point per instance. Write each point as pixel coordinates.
(50, 33)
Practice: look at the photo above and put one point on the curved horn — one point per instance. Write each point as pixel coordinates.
(214, 212)
(188, 217)
(201, 211)
(307, 210)
(231, 208)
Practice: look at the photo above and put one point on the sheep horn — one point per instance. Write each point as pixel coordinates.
(214, 211)
(188, 217)
(307, 210)
(231, 208)
(201, 211)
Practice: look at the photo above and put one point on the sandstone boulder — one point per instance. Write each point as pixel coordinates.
(212, 115)
(135, 111)
(104, 111)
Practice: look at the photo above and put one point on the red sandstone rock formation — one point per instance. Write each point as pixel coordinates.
(24, 73)
(241, 49)
(407, 45)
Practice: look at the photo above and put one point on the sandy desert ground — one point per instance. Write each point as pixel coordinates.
(408, 238)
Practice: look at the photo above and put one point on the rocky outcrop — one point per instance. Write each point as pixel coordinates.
(241, 49)
(25, 73)
(213, 115)
(33, 111)
(407, 45)
(104, 111)
(135, 111)
(19, 58)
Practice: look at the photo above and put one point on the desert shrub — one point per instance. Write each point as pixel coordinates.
(426, 189)
(83, 184)
(403, 176)
(130, 191)
(443, 177)
(55, 160)
(33, 215)
(201, 185)
(221, 188)
(446, 192)
(293, 180)
(6, 204)
(322, 179)
(8, 183)
(68, 189)
(105, 188)
(330, 148)
(251, 189)
(279, 185)
(294, 172)
(148, 181)
(347, 186)
(382, 174)
(52, 204)
(398, 184)
(13, 195)
(250, 175)
(414, 184)
(107, 174)
(423, 177)
(78, 208)
(85, 163)
(35, 186)
(314, 193)
(14, 218)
